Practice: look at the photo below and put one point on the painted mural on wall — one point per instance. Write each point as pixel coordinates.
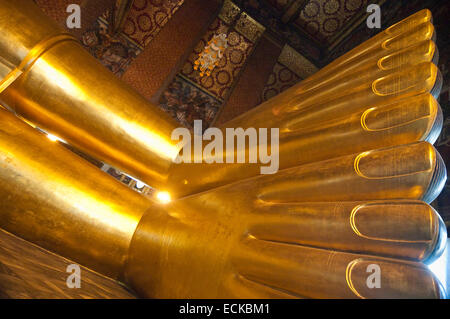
(187, 103)
(114, 51)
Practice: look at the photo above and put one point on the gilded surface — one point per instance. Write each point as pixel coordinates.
(308, 231)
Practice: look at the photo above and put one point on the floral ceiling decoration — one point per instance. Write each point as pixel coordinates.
(281, 78)
(326, 19)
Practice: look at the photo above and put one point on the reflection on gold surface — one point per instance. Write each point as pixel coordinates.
(163, 197)
(348, 277)
(57, 200)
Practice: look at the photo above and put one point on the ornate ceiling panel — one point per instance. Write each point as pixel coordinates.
(311, 27)
(143, 21)
(222, 77)
(278, 25)
(296, 62)
(325, 19)
(193, 96)
(146, 18)
(279, 80)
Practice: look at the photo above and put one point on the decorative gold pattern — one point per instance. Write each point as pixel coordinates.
(146, 18)
(229, 12)
(224, 74)
(292, 10)
(326, 19)
(296, 62)
(249, 28)
(279, 80)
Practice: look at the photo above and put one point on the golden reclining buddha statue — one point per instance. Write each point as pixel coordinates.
(357, 174)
